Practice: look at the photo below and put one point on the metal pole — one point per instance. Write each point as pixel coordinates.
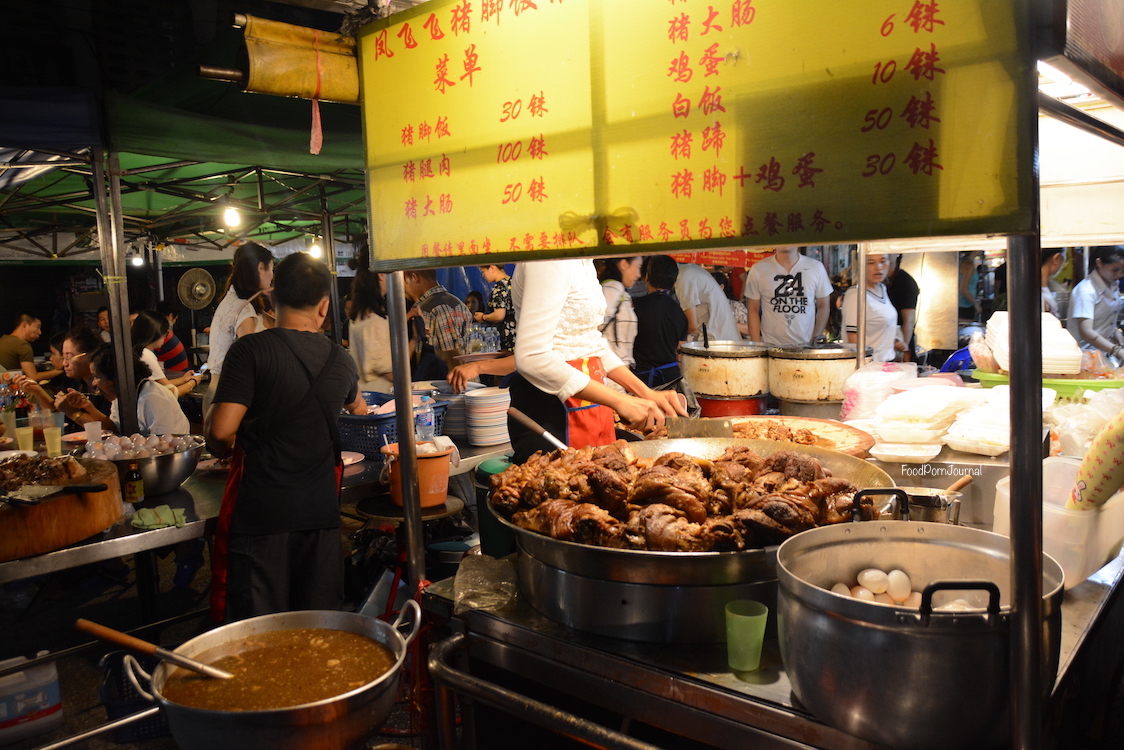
(407, 447)
(330, 259)
(158, 267)
(859, 266)
(112, 249)
(1029, 683)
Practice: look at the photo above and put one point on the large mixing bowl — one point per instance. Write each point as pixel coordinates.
(902, 677)
(340, 723)
(163, 474)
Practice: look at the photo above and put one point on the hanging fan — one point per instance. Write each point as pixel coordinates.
(196, 289)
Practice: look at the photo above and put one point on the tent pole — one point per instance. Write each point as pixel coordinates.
(329, 243)
(111, 231)
(407, 448)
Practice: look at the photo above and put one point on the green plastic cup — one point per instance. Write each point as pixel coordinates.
(745, 632)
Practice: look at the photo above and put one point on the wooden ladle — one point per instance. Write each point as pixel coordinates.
(136, 644)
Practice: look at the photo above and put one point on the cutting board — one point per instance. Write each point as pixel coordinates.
(62, 520)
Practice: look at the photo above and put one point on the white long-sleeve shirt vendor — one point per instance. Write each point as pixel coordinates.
(562, 360)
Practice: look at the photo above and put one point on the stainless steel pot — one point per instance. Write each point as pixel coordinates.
(340, 723)
(902, 677)
(804, 374)
(655, 596)
(725, 368)
(930, 505)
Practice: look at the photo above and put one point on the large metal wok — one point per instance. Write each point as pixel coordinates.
(661, 596)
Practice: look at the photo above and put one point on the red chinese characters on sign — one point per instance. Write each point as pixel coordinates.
(711, 101)
(742, 12)
(705, 230)
(537, 105)
(442, 82)
(771, 224)
(428, 210)
(795, 222)
(924, 64)
(461, 18)
(709, 61)
(713, 138)
(923, 16)
(680, 69)
(433, 26)
(470, 66)
(709, 24)
(382, 46)
(408, 135)
(726, 226)
(425, 169)
(923, 158)
(490, 9)
(920, 112)
(681, 183)
(411, 208)
(519, 6)
(445, 203)
(406, 34)
(537, 148)
(441, 129)
(537, 190)
(681, 144)
(425, 131)
(679, 29)
(714, 180)
(681, 107)
(409, 170)
(444, 166)
(685, 230)
(770, 174)
(804, 170)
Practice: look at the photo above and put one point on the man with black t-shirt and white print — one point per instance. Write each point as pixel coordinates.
(278, 545)
(786, 297)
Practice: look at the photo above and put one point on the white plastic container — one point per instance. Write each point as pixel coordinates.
(30, 701)
(1082, 541)
(906, 453)
(896, 431)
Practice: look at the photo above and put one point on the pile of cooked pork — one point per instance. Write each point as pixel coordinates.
(608, 497)
(16, 471)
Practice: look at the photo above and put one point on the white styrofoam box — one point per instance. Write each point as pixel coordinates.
(1082, 541)
(893, 431)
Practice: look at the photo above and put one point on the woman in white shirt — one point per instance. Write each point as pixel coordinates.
(158, 412)
(562, 361)
(369, 336)
(251, 275)
(1095, 303)
(148, 332)
(881, 316)
(617, 276)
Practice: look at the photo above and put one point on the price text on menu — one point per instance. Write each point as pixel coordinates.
(519, 129)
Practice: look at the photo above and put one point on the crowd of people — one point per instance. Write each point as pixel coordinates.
(584, 345)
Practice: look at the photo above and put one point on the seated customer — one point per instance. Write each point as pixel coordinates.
(171, 353)
(148, 331)
(158, 411)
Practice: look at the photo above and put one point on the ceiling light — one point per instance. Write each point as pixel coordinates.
(315, 251)
(231, 217)
(138, 260)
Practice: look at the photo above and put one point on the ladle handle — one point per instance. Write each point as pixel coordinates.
(900, 494)
(960, 483)
(101, 632)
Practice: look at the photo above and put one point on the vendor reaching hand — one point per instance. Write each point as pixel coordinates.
(562, 360)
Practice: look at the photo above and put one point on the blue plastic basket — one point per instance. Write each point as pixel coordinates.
(121, 700)
(367, 433)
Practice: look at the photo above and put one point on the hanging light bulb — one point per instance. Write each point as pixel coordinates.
(231, 217)
(315, 251)
(138, 260)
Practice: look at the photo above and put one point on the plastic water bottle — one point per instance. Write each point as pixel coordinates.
(475, 339)
(491, 339)
(424, 421)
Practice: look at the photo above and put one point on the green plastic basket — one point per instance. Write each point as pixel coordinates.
(1066, 387)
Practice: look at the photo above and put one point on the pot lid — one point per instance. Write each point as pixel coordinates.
(824, 351)
(725, 349)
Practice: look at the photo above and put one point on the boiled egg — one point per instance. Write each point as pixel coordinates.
(874, 579)
(862, 592)
(842, 589)
(899, 586)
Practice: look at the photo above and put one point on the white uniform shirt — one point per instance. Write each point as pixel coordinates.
(559, 306)
(881, 320)
(158, 412)
(696, 288)
(787, 298)
(1097, 301)
(230, 313)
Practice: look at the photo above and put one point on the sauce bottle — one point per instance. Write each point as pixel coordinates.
(134, 484)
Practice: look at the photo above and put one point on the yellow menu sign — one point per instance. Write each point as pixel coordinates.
(518, 129)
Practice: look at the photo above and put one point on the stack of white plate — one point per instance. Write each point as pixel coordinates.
(455, 425)
(486, 415)
(1060, 353)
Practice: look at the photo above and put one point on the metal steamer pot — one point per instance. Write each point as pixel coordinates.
(340, 723)
(662, 597)
(811, 375)
(902, 677)
(725, 369)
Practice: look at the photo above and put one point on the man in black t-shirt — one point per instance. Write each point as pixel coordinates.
(278, 545)
(660, 324)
